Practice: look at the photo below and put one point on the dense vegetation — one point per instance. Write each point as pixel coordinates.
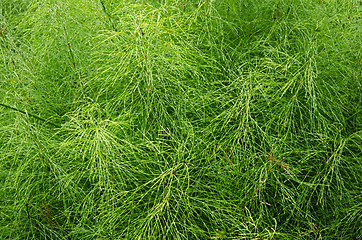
(169, 119)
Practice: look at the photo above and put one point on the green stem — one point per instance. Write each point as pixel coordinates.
(29, 114)
(108, 16)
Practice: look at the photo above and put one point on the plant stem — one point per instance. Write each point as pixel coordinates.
(108, 16)
(31, 115)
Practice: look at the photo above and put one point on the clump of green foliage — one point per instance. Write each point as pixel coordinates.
(193, 119)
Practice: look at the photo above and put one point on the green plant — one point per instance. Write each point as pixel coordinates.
(195, 119)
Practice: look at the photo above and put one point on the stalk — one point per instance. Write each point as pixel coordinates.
(31, 115)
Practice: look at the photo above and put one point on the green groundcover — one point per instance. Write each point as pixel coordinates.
(170, 119)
